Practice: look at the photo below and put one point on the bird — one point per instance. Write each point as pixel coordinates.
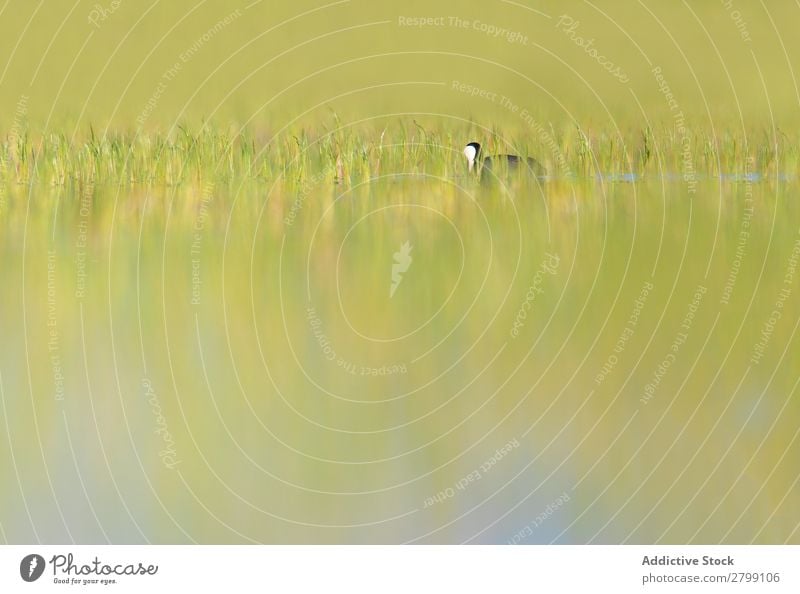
(512, 162)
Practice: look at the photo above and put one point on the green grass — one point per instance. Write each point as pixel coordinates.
(354, 156)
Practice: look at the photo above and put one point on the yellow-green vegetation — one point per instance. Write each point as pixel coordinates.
(356, 155)
(250, 292)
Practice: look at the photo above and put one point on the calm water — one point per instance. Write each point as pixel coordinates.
(412, 360)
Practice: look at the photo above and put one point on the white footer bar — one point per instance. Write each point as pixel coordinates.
(395, 569)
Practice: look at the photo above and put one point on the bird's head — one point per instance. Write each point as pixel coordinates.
(471, 152)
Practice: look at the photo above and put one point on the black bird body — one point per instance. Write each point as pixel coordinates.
(510, 162)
